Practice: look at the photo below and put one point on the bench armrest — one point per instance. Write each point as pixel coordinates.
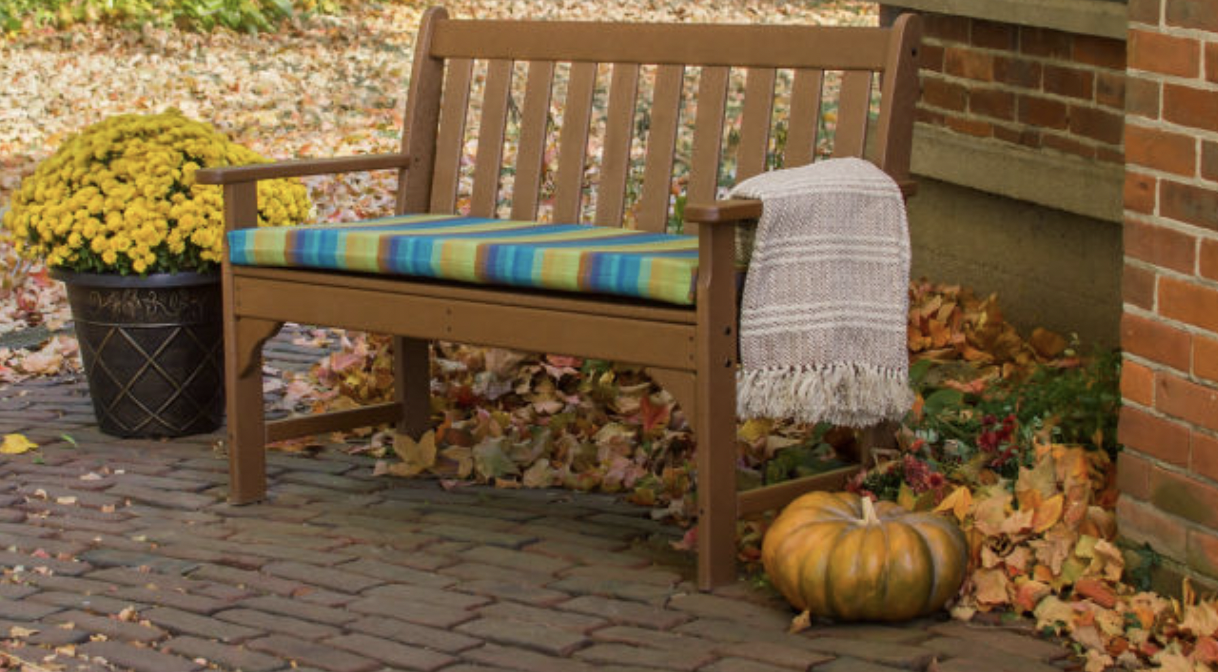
(736, 210)
(722, 212)
(300, 167)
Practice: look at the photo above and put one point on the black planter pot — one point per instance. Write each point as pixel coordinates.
(153, 350)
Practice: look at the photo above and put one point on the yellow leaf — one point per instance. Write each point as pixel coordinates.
(16, 444)
(754, 429)
(1047, 514)
(417, 456)
(959, 503)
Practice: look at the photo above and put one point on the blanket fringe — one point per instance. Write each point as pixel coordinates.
(849, 395)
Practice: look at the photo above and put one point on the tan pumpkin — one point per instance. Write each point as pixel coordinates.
(842, 556)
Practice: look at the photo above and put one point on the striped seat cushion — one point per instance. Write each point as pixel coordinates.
(568, 257)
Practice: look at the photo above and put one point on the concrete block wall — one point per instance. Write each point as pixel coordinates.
(1169, 327)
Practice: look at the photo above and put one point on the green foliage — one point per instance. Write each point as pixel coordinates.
(204, 15)
(960, 435)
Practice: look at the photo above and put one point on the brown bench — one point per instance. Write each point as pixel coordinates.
(690, 350)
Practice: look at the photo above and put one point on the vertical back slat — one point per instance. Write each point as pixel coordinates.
(803, 119)
(487, 163)
(533, 119)
(619, 131)
(573, 143)
(898, 98)
(451, 136)
(852, 109)
(422, 115)
(652, 211)
(755, 122)
(708, 136)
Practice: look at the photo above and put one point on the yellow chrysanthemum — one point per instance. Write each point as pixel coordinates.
(121, 197)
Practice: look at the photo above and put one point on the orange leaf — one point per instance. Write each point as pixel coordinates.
(1097, 590)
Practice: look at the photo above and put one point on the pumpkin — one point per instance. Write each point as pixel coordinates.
(839, 555)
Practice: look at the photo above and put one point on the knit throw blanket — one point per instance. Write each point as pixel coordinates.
(823, 322)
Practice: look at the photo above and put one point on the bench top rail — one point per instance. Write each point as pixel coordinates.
(623, 124)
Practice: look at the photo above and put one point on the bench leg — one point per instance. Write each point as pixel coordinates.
(412, 384)
(244, 408)
(715, 413)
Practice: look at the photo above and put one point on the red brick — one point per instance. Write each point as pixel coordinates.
(1196, 14)
(1160, 246)
(1155, 341)
(1097, 124)
(943, 27)
(1205, 455)
(992, 103)
(1026, 136)
(1205, 359)
(1140, 191)
(993, 35)
(1161, 150)
(1188, 302)
(1184, 497)
(1110, 89)
(969, 63)
(1133, 474)
(1103, 52)
(1211, 61)
(1044, 42)
(1164, 54)
(941, 93)
(1190, 107)
(1110, 154)
(1138, 287)
(1157, 437)
(1202, 553)
(1069, 82)
(973, 127)
(1017, 72)
(1207, 259)
(930, 117)
(930, 57)
(1137, 384)
(1142, 522)
(1186, 400)
(1209, 160)
(1069, 145)
(1043, 112)
(1189, 203)
(1145, 11)
(1142, 97)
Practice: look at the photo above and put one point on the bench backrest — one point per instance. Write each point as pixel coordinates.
(566, 115)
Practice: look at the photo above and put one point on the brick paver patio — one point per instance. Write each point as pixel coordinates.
(124, 555)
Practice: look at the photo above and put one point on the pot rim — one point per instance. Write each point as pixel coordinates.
(152, 280)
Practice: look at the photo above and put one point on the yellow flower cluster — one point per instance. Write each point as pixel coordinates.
(120, 197)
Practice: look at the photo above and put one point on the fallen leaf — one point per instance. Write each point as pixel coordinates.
(16, 444)
(417, 456)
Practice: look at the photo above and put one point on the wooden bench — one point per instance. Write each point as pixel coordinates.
(691, 350)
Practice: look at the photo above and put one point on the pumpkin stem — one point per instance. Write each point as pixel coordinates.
(869, 515)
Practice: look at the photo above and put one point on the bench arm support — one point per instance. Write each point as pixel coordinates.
(301, 167)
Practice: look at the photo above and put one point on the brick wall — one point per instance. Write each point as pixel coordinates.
(1029, 86)
(1169, 331)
